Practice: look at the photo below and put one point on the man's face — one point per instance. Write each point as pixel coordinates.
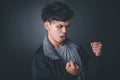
(57, 30)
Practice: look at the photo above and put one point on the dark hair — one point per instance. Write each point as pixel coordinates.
(56, 11)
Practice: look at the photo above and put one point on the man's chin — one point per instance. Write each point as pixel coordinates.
(62, 40)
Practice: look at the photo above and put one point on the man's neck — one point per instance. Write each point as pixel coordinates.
(56, 44)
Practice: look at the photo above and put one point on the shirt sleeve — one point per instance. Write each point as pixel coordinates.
(96, 66)
(93, 64)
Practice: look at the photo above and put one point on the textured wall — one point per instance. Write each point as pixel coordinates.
(22, 32)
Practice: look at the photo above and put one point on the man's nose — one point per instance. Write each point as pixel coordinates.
(64, 30)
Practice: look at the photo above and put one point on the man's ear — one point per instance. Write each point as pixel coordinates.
(46, 25)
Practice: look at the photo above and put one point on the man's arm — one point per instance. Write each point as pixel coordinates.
(93, 64)
(41, 70)
(96, 63)
(46, 69)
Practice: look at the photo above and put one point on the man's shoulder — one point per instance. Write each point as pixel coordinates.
(71, 43)
(39, 52)
(39, 55)
(40, 49)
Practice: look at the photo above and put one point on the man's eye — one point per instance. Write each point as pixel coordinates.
(67, 26)
(59, 26)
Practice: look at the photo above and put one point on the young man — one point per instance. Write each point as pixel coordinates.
(58, 58)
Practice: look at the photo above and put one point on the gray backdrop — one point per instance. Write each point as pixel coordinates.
(22, 32)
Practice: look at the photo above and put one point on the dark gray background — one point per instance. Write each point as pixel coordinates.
(22, 32)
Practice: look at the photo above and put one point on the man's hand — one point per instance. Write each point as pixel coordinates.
(72, 68)
(97, 48)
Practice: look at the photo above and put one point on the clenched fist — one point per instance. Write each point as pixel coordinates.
(97, 48)
(72, 68)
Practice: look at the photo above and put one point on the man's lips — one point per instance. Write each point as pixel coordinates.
(63, 37)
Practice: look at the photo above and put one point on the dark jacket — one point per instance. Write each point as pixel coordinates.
(45, 68)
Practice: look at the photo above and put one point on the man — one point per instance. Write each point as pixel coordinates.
(58, 58)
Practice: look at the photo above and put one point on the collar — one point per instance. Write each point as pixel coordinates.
(49, 50)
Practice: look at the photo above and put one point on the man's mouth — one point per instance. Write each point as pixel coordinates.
(62, 37)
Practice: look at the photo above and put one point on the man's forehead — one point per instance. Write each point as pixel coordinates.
(60, 22)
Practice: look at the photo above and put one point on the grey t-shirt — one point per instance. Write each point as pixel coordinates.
(68, 54)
